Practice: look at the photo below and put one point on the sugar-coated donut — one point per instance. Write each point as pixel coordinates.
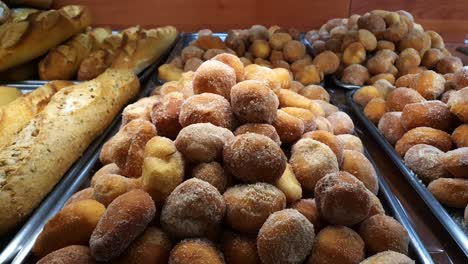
(207, 108)
(458, 103)
(450, 192)
(195, 251)
(391, 127)
(456, 162)
(341, 123)
(388, 257)
(213, 173)
(308, 208)
(262, 129)
(360, 167)
(323, 124)
(423, 135)
(429, 84)
(234, 62)
(375, 109)
(240, 249)
(351, 142)
(365, 94)
(399, 97)
(71, 254)
(84, 194)
(460, 136)
(432, 113)
(315, 92)
(289, 127)
(307, 117)
(328, 139)
(110, 186)
(426, 162)
(214, 77)
(165, 115)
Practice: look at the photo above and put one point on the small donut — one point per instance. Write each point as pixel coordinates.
(110, 186)
(375, 109)
(391, 127)
(342, 199)
(450, 192)
(365, 94)
(458, 103)
(429, 84)
(195, 251)
(262, 129)
(213, 173)
(285, 237)
(341, 123)
(423, 135)
(308, 208)
(351, 142)
(460, 136)
(240, 249)
(327, 108)
(248, 206)
(399, 97)
(355, 74)
(165, 115)
(202, 142)
(327, 61)
(254, 102)
(426, 162)
(206, 108)
(192, 64)
(288, 127)
(315, 92)
(360, 167)
(192, 209)
(294, 50)
(191, 52)
(388, 257)
(214, 77)
(456, 162)
(433, 114)
(71, 254)
(323, 124)
(337, 244)
(328, 139)
(234, 62)
(253, 157)
(381, 233)
(449, 64)
(307, 117)
(106, 169)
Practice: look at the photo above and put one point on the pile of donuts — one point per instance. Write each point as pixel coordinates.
(229, 166)
(426, 117)
(382, 45)
(274, 47)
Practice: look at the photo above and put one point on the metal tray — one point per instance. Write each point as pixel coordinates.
(450, 218)
(343, 85)
(18, 242)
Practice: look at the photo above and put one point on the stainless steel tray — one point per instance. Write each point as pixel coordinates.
(343, 85)
(450, 218)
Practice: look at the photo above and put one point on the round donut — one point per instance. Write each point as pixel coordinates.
(388, 257)
(460, 136)
(458, 103)
(309, 209)
(214, 77)
(391, 127)
(165, 115)
(328, 139)
(360, 167)
(433, 114)
(375, 109)
(240, 249)
(456, 162)
(341, 123)
(450, 192)
(399, 97)
(426, 162)
(195, 251)
(351, 142)
(213, 173)
(206, 108)
(423, 135)
(262, 129)
(289, 127)
(234, 62)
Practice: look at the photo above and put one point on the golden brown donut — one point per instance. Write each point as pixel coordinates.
(308, 208)
(341, 123)
(260, 48)
(458, 103)
(423, 135)
(288, 127)
(213, 173)
(460, 136)
(360, 167)
(124, 220)
(323, 124)
(398, 98)
(71, 254)
(449, 64)
(328, 139)
(375, 109)
(165, 115)
(279, 39)
(141, 109)
(294, 50)
(381, 233)
(311, 160)
(192, 64)
(191, 52)
(110, 186)
(195, 251)
(351, 142)
(365, 94)
(391, 127)
(285, 237)
(433, 114)
(207, 108)
(84, 194)
(214, 77)
(327, 61)
(289, 185)
(388, 257)
(110, 168)
(450, 192)
(240, 249)
(253, 157)
(249, 205)
(307, 117)
(234, 62)
(262, 129)
(456, 162)
(426, 162)
(310, 74)
(355, 74)
(460, 79)
(192, 209)
(429, 84)
(314, 92)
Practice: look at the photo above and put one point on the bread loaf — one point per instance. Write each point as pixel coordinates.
(27, 39)
(17, 114)
(46, 148)
(7, 95)
(63, 62)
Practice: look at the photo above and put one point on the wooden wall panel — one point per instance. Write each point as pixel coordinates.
(218, 15)
(449, 18)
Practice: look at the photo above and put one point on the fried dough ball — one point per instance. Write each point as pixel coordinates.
(195, 251)
(355, 53)
(169, 72)
(396, 31)
(280, 64)
(423, 135)
(342, 199)
(165, 115)
(263, 74)
(341, 123)
(263, 62)
(458, 103)
(337, 244)
(276, 56)
(388, 257)
(211, 53)
(285, 237)
(260, 49)
(107, 169)
(163, 168)
(327, 108)
(178, 62)
(311, 160)
(294, 50)
(192, 209)
(284, 77)
(460, 136)
(153, 246)
(431, 57)
(213, 173)
(308, 208)
(206, 108)
(110, 186)
(382, 62)
(405, 80)
(257, 32)
(391, 126)
(305, 115)
(192, 64)
(360, 167)
(73, 225)
(300, 64)
(214, 77)
(310, 74)
(460, 78)
(367, 39)
(315, 92)
(418, 40)
(253, 157)
(449, 64)
(376, 205)
(249, 205)
(375, 109)
(381, 233)
(279, 40)
(202, 142)
(450, 192)
(126, 148)
(384, 87)
(456, 162)
(71, 254)
(288, 127)
(429, 84)
(433, 114)
(289, 98)
(355, 74)
(323, 124)
(351, 142)
(382, 76)
(141, 109)
(254, 102)
(84, 194)
(239, 249)
(191, 52)
(365, 94)
(426, 162)
(400, 97)
(384, 44)
(262, 129)
(289, 185)
(327, 62)
(372, 22)
(245, 61)
(408, 58)
(210, 42)
(328, 139)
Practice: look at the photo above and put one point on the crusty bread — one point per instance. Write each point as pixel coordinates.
(63, 62)
(17, 114)
(42, 4)
(8, 95)
(46, 148)
(24, 40)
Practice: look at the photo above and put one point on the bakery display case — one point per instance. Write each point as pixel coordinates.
(337, 138)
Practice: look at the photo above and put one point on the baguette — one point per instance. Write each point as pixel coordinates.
(42, 4)
(46, 148)
(62, 63)
(8, 95)
(24, 40)
(17, 114)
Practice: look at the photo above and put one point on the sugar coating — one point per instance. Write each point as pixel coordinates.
(360, 167)
(202, 142)
(306, 116)
(323, 124)
(206, 108)
(165, 115)
(425, 161)
(433, 114)
(328, 139)
(460, 78)
(351, 142)
(248, 206)
(234, 62)
(289, 127)
(355, 74)
(309, 209)
(388, 257)
(458, 104)
(195, 251)
(423, 135)
(253, 157)
(452, 192)
(192, 209)
(70, 254)
(456, 162)
(262, 129)
(240, 249)
(429, 84)
(399, 97)
(341, 123)
(460, 136)
(214, 77)
(285, 237)
(213, 173)
(391, 127)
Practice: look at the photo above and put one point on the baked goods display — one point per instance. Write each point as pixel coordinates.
(382, 45)
(243, 175)
(273, 47)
